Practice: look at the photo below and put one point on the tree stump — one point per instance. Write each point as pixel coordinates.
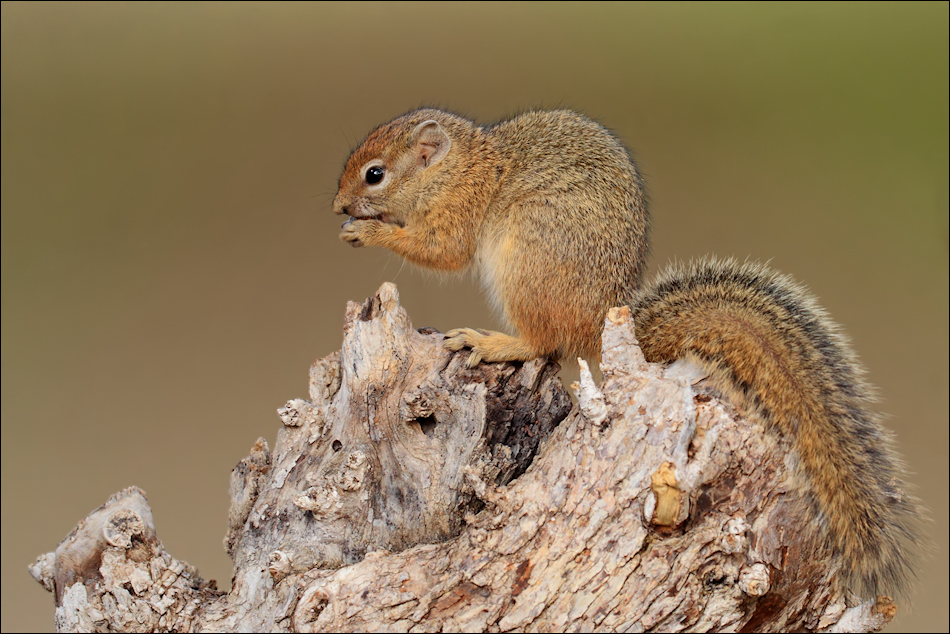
(411, 493)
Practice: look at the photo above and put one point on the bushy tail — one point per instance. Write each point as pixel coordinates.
(765, 341)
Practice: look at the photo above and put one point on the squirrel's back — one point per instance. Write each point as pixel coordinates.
(567, 229)
(766, 343)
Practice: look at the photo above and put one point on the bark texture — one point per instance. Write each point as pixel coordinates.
(410, 493)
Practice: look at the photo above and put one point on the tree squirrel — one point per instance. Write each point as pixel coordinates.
(551, 209)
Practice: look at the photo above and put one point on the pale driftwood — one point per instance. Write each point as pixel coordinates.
(397, 499)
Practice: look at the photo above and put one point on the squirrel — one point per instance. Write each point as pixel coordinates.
(551, 209)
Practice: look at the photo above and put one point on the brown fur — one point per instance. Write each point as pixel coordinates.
(526, 200)
(767, 344)
(551, 209)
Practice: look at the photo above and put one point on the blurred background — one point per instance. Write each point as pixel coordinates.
(171, 266)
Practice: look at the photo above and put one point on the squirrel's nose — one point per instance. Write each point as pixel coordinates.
(339, 208)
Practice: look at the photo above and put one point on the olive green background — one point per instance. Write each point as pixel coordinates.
(171, 267)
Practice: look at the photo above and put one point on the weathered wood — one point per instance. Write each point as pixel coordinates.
(402, 496)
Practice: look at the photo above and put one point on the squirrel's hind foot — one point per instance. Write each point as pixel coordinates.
(489, 346)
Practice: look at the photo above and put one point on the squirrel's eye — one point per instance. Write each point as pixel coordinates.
(375, 174)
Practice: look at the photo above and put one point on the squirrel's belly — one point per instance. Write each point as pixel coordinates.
(493, 255)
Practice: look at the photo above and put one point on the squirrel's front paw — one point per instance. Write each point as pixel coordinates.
(359, 232)
(460, 338)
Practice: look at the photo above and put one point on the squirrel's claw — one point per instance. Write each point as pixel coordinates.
(460, 338)
(352, 232)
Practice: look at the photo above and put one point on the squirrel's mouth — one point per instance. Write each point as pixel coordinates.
(362, 209)
(384, 218)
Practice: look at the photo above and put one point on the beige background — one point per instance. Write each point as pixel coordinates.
(171, 266)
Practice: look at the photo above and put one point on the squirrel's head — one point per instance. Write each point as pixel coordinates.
(394, 172)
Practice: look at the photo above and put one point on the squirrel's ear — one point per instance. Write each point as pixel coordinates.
(430, 143)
